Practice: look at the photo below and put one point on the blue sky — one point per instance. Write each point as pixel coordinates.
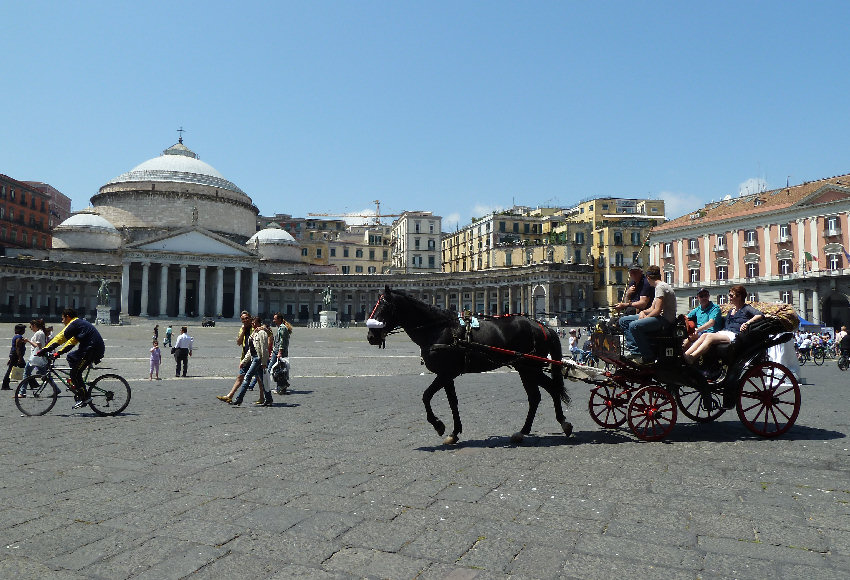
(454, 107)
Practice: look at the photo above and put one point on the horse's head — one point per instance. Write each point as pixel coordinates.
(383, 319)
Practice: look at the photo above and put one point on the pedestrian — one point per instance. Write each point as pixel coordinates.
(156, 332)
(253, 363)
(167, 336)
(36, 364)
(280, 353)
(16, 357)
(183, 350)
(156, 358)
(242, 340)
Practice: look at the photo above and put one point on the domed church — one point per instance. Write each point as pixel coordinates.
(183, 236)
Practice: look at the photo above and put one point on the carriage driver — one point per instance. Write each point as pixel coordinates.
(638, 296)
(659, 317)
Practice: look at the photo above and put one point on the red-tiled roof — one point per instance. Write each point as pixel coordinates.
(754, 204)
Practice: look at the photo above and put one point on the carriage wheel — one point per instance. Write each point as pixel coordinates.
(652, 413)
(770, 399)
(608, 404)
(699, 406)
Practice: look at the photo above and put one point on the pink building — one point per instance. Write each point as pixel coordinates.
(784, 245)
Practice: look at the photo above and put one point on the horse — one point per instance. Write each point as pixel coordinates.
(450, 349)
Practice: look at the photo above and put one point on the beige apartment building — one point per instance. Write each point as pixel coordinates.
(787, 245)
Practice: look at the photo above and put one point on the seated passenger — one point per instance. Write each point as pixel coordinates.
(740, 317)
(659, 317)
(706, 317)
(638, 296)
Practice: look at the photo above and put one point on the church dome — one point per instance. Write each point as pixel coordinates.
(86, 230)
(174, 191)
(275, 243)
(177, 164)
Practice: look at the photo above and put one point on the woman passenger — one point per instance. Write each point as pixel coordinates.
(739, 319)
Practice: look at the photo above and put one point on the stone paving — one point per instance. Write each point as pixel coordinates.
(344, 478)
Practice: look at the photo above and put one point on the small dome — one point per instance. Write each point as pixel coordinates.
(87, 220)
(272, 236)
(86, 230)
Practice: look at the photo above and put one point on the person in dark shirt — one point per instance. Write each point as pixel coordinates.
(638, 296)
(90, 351)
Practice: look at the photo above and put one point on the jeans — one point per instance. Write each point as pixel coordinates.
(641, 329)
(625, 321)
(254, 372)
(182, 356)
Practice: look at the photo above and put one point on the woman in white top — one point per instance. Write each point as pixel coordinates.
(36, 342)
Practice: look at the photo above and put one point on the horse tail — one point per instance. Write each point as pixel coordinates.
(556, 353)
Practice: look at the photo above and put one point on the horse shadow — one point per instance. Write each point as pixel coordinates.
(715, 432)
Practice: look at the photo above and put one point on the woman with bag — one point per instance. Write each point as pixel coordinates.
(14, 368)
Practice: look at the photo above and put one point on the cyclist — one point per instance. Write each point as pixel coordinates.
(91, 349)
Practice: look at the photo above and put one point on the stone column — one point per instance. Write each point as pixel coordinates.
(816, 306)
(145, 272)
(765, 253)
(255, 286)
(163, 290)
(181, 306)
(803, 303)
(125, 289)
(219, 291)
(237, 292)
(202, 290)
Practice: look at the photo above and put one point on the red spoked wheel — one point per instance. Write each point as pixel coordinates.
(652, 413)
(701, 406)
(770, 399)
(608, 404)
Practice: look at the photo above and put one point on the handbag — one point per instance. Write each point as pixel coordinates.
(17, 373)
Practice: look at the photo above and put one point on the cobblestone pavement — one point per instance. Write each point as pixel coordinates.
(344, 478)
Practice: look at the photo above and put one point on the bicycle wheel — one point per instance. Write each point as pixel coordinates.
(110, 394)
(36, 395)
(818, 356)
(843, 363)
(802, 358)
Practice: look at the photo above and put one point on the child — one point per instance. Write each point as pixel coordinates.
(156, 358)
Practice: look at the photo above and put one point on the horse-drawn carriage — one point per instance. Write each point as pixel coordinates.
(738, 375)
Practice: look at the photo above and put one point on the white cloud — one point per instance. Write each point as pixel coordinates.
(679, 204)
(450, 222)
(752, 185)
(480, 209)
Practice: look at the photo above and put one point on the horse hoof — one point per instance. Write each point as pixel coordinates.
(440, 427)
(450, 440)
(517, 438)
(567, 427)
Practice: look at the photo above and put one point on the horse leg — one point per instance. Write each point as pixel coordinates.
(451, 395)
(533, 394)
(556, 392)
(426, 399)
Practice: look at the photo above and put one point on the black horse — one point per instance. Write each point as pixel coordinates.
(450, 349)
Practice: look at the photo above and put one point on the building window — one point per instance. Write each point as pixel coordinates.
(345, 252)
(722, 299)
(694, 274)
(693, 246)
(832, 228)
(787, 297)
(358, 269)
(722, 272)
(304, 252)
(750, 239)
(784, 233)
(752, 270)
(416, 227)
(668, 277)
(371, 254)
(508, 259)
(618, 275)
(668, 250)
(720, 243)
(618, 238)
(516, 227)
(318, 252)
(833, 259)
(346, 269)
(432, 245)
(358, 253)
(635, 238)
(786, 268)
(333, 252)
(618, 259)
(431, 263)
(580, 238)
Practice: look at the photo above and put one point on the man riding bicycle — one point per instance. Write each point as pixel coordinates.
(91, 350)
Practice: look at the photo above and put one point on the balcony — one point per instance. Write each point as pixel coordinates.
(719, 248)
(693, 251)
(783, 239)
(832, 232)
(750, 243)
(667, 254)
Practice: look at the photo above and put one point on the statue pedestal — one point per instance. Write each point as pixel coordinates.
(103, 315)
(327, 318)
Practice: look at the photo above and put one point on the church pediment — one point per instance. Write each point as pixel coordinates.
(194, 241)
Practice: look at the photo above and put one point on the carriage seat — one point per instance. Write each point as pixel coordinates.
(755, 338)
(668, 344)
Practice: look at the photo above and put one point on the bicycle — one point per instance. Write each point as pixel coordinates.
(818, 355)
(803, 356)
(843, 361)
(109, 394)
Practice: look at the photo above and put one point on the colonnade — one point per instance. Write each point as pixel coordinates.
(148, 289)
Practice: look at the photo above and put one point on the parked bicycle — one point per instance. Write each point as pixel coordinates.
(37, 394)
